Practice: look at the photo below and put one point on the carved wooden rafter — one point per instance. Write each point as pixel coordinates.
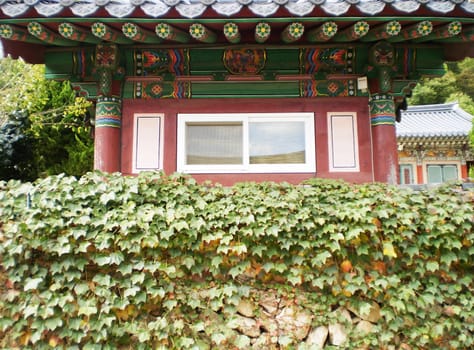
(106, 33)
(168, 32)
(136, 33)
(48, 36)
(73, 32)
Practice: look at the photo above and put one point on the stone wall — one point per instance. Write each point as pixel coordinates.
(269, 319)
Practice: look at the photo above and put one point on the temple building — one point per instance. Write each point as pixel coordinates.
(240, 90)
(434, 144)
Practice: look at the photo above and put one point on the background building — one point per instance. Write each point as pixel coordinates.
(434, 145)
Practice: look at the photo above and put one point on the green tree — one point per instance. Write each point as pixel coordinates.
(456, 85)
(48, 118)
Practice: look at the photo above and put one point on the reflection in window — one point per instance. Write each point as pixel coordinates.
(214, 143)
(277, 143)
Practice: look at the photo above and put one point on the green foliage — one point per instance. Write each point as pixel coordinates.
(15, 147)
(456, 85)
(156, 262)
(57, 126)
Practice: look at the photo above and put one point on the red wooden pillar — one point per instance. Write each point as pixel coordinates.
(384, 139)
(464, 174)
(419, 174)
(108, 112)
(107, 134)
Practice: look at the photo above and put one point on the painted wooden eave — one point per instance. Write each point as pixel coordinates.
(212, 23)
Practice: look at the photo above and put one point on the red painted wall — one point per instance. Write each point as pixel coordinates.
(320, 106)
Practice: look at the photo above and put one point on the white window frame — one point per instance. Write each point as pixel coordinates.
(245, 118)
(156, 151)
(331, 149)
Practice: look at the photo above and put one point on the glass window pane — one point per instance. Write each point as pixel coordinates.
(277, 142)
(435, 174)
(450, 172)
(214, 143)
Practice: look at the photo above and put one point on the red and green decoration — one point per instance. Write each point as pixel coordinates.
(327, 60)
(244, 61)
(159, 89)
(323, 32)
(292, 32)
(382, 109)
(328, 88)
(167, 32)
(108, 112)
(202, 34)
(382, 65)
(262, 32)
(231, 32)
(157, 62)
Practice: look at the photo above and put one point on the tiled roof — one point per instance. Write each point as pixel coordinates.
(434, 120)
(261, 8)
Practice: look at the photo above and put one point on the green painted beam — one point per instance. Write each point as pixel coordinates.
(11, 32)
(136, 33)
(73, 32)
(104, 32)
(245, 89)
(44, 34)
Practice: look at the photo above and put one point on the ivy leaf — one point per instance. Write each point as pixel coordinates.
(388, 249)
(170, 304)
(86, 308)
(432, 266)
(116, 258)
(107, 197)
(294, 280)
(130, 292)
(32, 283)
(81, 288)
(189, 262)
(102, 260)
(448, 258)
(320, 259)
(216, 261)
(166, 234)
(53, 323)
